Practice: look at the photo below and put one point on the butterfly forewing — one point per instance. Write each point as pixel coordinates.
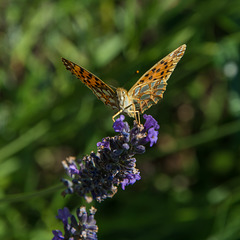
(149, 89)
(103, 92)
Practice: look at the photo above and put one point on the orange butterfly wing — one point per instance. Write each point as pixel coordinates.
(149, 89)
(103, 92)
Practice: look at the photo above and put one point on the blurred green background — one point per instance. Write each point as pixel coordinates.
(190, 180)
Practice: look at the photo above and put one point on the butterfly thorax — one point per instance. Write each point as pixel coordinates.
(125, 101)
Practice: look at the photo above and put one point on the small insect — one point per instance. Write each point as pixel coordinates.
(148, 90)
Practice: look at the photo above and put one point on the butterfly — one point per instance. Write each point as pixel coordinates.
(147, 91)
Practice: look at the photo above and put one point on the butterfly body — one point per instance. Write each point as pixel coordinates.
(125, 102)
(147, 91)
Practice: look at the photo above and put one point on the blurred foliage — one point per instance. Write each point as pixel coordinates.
(190, 180)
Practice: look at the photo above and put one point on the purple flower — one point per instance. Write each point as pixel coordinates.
(64, 214)
(73, 169)
(120, 126)
(71, 166)
(152, 136)
(130, 179)
(57, 235)
(150, 122)
(98, 175)
(82, 227)
(104, 143)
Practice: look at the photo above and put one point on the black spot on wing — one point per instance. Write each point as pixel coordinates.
(97, 83)
(89, 76)
(81, 70)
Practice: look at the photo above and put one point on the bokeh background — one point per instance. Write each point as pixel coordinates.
(190, 180)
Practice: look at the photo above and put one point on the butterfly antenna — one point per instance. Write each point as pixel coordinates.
(112, 86)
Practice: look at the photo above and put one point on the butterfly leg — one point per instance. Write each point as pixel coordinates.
(136, 116)
(116, 114)
(136, 113)
(119, 112)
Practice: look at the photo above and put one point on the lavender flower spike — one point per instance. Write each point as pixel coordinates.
(84, 227)
(98, 175)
